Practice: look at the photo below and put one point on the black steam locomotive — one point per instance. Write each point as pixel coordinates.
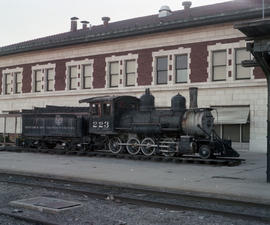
(127, 123)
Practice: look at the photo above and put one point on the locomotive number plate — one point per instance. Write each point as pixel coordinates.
(101, 124)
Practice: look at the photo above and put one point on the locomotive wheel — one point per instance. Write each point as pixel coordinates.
(205, 152)
(67, 146)
(147, 146)
(133, 146)
(115, 145)
(40, 145)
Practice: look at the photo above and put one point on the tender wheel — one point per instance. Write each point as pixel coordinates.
(133, 146)
(205, 152)
(147, 146)
(115, 145)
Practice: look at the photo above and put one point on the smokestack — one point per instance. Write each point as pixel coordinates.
(193, 96)
(84, 24)
(73, 26)
(106, 20)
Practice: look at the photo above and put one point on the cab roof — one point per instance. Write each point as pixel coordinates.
(109, 99)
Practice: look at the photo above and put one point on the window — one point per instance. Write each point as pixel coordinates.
(130, 73)
(8, 83)
(219, 65)
(37, 80)
(235, 132)
(106, 109)
(86, 76)
(181, 68)
(114, 74)
(162, 70)
(72, 77)
(95, 109)
(241, 72)
(49, 80)
(18, 82)
(231, 132)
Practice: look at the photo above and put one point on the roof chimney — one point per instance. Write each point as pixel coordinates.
(84, 24)
(187, 5)
(73, 26)
(106, 20)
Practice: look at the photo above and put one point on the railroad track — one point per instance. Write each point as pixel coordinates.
(158, 158)
(224, 206)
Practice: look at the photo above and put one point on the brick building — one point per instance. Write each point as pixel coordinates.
(168, 52)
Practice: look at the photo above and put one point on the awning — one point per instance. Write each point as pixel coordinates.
(230, 114)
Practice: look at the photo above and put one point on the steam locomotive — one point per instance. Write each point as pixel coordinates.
(127, 124)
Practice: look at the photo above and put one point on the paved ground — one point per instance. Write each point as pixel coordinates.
(247, 181)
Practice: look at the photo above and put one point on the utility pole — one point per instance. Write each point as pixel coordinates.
(263, 9)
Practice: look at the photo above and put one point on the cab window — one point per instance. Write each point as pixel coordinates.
(95, 109)
(106, 109)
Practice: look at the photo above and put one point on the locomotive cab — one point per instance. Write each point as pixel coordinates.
(105, 112)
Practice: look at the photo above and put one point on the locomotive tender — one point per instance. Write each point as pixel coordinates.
(127, 123)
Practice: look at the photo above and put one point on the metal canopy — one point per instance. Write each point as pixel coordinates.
(259, 33)
(231, 115)
(255, 29)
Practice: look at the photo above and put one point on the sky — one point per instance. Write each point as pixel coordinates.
(22, 20)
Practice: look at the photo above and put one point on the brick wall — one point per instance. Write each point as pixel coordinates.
(99, 71)
(199, 62)
(60, 75)
(198, 66)
(145, 67)
(27, 78)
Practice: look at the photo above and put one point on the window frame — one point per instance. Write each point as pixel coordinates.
(17, 82)
(85, 77)
(176, 69)
(36, 82)
(7, 84)
(72, 78)
(158, 71)
(47, 79)
(129, 73)
(111, 75)
(237, 64)
(218, 66)
(95, 109)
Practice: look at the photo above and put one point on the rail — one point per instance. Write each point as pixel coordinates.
(247, 209)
